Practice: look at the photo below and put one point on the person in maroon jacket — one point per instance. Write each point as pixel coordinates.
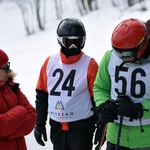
(17, 115)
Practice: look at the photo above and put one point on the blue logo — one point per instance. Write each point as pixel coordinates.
(59, 105)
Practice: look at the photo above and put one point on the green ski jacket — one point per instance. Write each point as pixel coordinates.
(136, 86)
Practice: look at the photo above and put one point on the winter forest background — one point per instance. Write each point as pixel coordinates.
(28, 34)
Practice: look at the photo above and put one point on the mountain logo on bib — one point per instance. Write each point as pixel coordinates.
(59, 105)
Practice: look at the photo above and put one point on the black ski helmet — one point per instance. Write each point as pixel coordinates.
(71, 27)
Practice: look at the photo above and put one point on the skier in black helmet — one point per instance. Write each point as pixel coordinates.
(64, 91)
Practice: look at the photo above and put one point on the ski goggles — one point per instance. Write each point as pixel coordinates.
(6, 68)
(72, 41)
(125, 55)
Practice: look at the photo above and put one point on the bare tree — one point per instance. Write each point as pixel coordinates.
(40, 13)
(141, 2)
(58, 8)
(86, 5)
(27, 15)
(125, 4)
(33, 13)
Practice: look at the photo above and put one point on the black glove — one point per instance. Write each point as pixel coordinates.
(100, 133)
(39, 133)
(107, 111)
(127, 108)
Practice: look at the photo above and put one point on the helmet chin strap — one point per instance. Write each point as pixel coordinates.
(121, 65)
(128, 61)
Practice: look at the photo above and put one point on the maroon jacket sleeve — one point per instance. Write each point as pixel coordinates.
(30, 120)
(12, 120)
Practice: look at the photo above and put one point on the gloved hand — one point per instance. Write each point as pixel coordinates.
(100, 133)
(39, 133)
(127, 108)
(107, 111)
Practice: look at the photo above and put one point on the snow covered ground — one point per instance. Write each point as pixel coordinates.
(27, 53)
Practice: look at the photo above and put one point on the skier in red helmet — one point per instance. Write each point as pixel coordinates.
(122, 87)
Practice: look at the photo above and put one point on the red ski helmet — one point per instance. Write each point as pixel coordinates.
(129, 39)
